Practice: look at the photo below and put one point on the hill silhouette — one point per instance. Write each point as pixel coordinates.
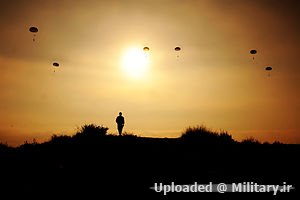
(93, 164)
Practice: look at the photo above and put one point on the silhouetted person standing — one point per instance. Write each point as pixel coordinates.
(120, 121)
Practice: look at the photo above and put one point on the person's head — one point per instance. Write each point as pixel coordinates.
(120, 113)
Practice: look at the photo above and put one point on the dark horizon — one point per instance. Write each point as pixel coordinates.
(250, 139)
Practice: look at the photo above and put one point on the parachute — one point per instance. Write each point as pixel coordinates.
(253, 52)
(33, 30)
(146, 48)
(56, 65)
(269, 69)
(177, 49)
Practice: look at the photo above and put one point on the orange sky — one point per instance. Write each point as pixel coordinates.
(214, 81)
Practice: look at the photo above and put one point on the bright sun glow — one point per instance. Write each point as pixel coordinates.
(135, 62)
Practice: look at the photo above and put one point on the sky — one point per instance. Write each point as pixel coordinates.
(213, 81)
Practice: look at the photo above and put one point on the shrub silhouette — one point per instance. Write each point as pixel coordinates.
(60, 139)
(28, 145)
(3, 146)
(90, 132)
(277, 143)
(129, 135)
(202, 134)
(250, 140)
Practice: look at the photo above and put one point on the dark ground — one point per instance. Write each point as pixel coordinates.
(112, 166)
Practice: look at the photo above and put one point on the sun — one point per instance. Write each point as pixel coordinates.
(135, 62)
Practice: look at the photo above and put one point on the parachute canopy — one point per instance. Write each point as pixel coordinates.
(253, 51)
(177, 48)
(55, 64)
(33, 29)
(146, 48)
(268, 68)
